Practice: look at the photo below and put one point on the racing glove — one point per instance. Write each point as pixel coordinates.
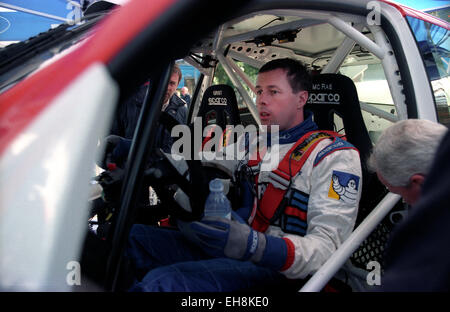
(116, 150)
(220, 237)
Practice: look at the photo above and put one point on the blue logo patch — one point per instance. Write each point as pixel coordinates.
(344, 186)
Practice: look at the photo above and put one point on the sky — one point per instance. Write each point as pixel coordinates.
(423, 4)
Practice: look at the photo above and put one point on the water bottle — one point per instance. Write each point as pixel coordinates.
(217, 204)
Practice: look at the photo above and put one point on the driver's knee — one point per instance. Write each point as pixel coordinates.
(172, 279)
(140, 240)
(159, 280)
(148, 245)
(138, 250)
(147, 237)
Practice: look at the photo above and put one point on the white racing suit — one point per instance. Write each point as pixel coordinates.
(329, 185)
(330, 180)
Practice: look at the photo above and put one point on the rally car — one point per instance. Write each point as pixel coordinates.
(372, 63)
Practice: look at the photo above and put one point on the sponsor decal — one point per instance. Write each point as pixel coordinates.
(298, 152)
(217, 101)
(344, 186)
(324, 98)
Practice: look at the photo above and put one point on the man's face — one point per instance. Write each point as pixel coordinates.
(276, 102)
(410, 194)
(171, 87)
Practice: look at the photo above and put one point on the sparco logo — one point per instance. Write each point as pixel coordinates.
(326, 98)
(217, 101)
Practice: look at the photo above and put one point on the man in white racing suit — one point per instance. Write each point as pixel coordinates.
(295, 213)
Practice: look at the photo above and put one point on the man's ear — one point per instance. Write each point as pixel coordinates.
(415, 187)
(302, 99)
(417, 180)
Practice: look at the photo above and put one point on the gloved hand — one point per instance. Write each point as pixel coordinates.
(220, 237)
(116, 150)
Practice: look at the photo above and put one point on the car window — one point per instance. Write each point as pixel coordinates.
(434, 44)
(190, 77)
(373, 90)
(221, 77)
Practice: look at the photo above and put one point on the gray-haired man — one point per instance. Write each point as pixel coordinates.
(403, 155)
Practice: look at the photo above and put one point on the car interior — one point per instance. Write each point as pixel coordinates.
(341, 55)
(361, 85)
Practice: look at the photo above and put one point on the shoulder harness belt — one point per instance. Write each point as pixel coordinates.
(278, 196)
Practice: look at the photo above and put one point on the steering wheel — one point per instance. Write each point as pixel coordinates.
(162, 175)
(183, 190)
(192, 182)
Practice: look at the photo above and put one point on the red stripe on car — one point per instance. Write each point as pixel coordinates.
(21, 104)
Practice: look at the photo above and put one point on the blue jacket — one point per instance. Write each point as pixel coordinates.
(177, 108)
(128, 113)
(126, 120)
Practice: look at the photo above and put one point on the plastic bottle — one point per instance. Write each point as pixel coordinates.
(217, 204)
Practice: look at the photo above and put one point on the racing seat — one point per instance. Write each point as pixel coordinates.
(335, 94)
(219, 106)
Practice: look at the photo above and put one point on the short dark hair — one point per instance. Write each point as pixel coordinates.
(297, 74)
(176, 70)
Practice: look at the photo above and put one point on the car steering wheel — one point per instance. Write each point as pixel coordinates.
(193, 182)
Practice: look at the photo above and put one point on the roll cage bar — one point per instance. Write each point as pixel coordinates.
(380, 47)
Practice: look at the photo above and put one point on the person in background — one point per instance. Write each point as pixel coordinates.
(185, 95)
(128, 113)
(403, 155)
(119, 141)
(117, 145)
(411, 159)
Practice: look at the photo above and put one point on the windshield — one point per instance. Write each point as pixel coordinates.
(21, 59)
(434, 44)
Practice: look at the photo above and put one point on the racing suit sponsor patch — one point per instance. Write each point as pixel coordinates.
(344, 186)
